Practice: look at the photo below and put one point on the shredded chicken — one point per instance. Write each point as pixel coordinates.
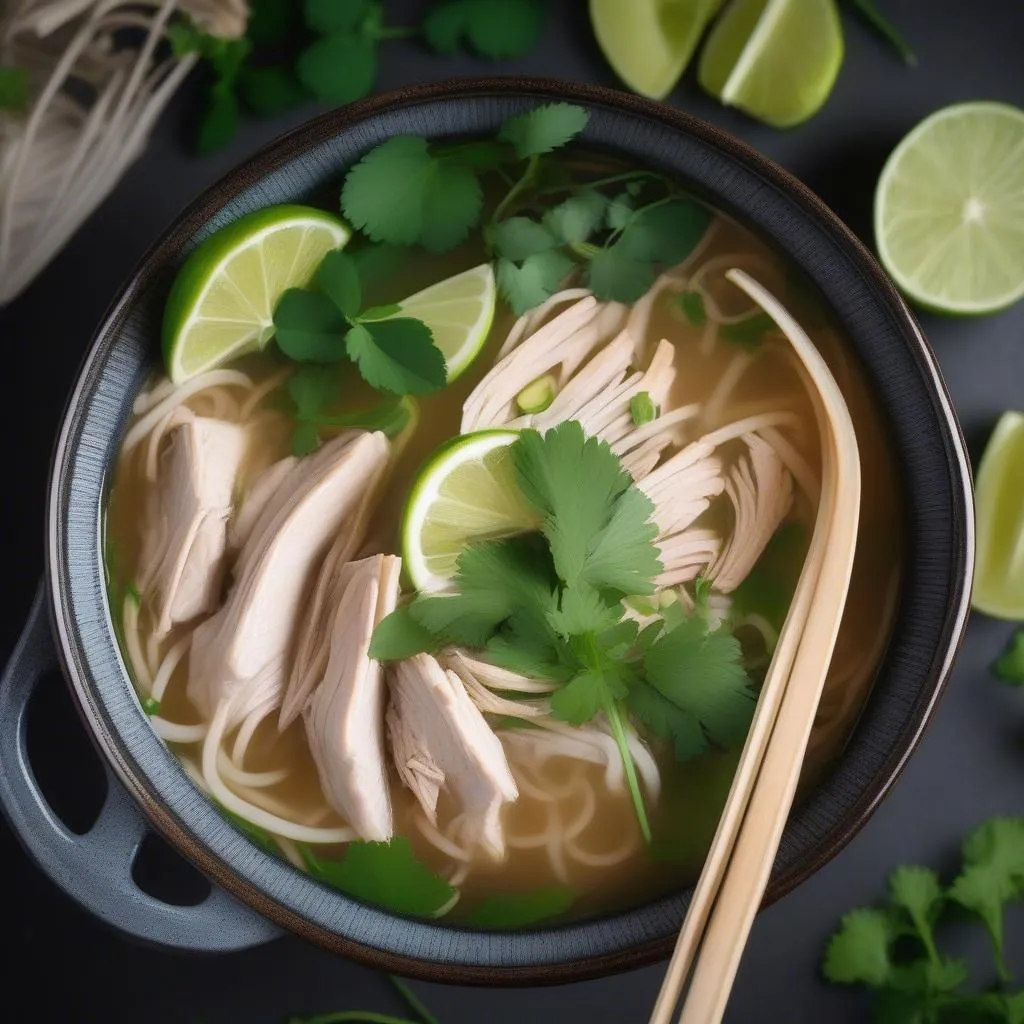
(245, 647)
(439, 738)
(344, 716)
(181, 566)
(761, 491)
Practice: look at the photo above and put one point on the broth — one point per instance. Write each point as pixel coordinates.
(604, 860)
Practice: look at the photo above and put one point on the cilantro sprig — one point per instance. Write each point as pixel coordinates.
(894, 949)
(617, 231)
(550, 605)
(326, 324)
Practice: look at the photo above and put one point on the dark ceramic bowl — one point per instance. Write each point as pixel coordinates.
(151, 789)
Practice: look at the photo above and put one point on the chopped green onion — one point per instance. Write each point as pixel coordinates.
(536, 397)
(151, 706)
(643, 408)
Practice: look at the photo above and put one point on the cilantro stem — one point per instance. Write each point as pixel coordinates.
(600, 182)
(622, 742)
(524, 182)
(874, 17)
(633, 216)
(414, 1001)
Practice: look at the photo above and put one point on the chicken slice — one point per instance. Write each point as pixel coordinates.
(761, 491)
(439, 738)
(345, 715)
(248, 643)
(181, 568)
(266, 485)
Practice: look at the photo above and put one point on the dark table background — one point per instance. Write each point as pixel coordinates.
(60, 965)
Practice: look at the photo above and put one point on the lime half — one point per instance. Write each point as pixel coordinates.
(648, 43)
(999, 502)
(459, 312)
(949, 210)
(222, 302)
(777, 60)
(465, 493)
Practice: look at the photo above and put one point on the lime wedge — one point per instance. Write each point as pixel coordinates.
(648, 43)
(459, 312)
(777, 60)
(465, 493)
(999, 503)
(949, 210)
(222, 302)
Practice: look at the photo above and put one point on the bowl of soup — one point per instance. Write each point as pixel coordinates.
(428, 615)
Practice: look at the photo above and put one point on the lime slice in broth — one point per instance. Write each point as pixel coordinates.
(999, 502)
(949, 210)
(222, 302)
(459, 312)
(777, 60)
(464, 494)
(649, 43)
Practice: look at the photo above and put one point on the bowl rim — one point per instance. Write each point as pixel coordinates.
(298, 142)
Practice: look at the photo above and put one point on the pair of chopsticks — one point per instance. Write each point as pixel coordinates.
(737, 869)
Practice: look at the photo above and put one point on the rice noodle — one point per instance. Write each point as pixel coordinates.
(174, 732)
(261, 391)
(168, 665)
(137, 660)
(252, 780)
(180, 395)
(442, 842)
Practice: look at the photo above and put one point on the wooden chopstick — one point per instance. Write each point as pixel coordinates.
(739, 862)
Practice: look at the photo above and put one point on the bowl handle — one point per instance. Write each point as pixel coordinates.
(95, 869)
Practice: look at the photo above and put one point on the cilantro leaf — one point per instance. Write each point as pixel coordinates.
(378, 261)
(668, 721)
(492, 580)
(1010, 666)
(338, 278)
(859, 951)
(613, 274)
(305, 438)
(519, 237)
(504, 28)
(620, 211)
(665, 232)
(14, 89)
(538, 278)
(330, 16)
(578, 217)
(270, 91)
(313, 388)
(219, 122)
(403, 194)
(270, 21)
(993, 874)
(702, 673)
(585, 695)
(522, 909)
(309, 327)
(692, 305)
(397, 355)
(583, 610)
(400, 636)
(339, 68)
(917, 891)
(624, 557)
(544, 128)
(386, 874)
(445, 26)
(749, 332)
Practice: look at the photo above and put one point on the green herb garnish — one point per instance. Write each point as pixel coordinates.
(323, 325)
(493, 28)
(151, 706)
(14, 89)
(551, 606)
(523, 909)
(749, 332)
(1010, 666)
(387, 874)
(409, 191)
(877, 21)
(894, 950)
(692, 305)
(643, 409)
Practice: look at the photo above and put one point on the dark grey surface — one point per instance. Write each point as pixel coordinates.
(970, 765)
